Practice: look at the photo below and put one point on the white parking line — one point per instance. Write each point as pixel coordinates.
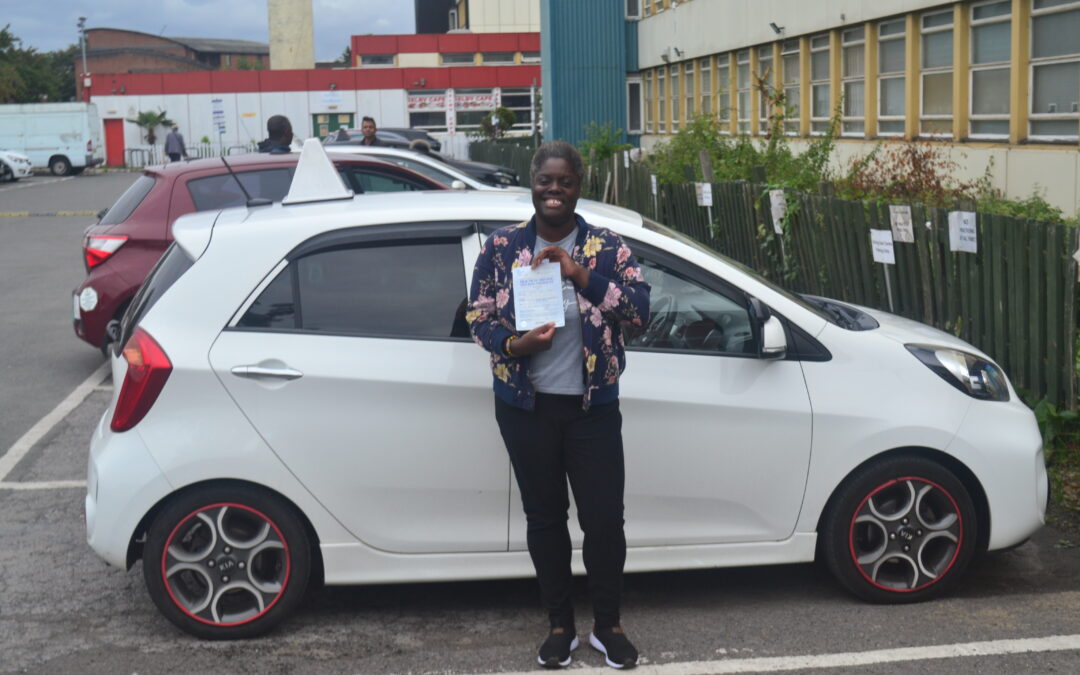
(44, 485)
(1055, 643)
(22, 446)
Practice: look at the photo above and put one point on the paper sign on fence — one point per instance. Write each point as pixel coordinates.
(779, 208)
(538, 296)
(900, 220)
(652, 179)
(704, 193)
(881, 242)
(626, 159)
(962, 233)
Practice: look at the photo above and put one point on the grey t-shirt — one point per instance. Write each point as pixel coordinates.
(559, 369)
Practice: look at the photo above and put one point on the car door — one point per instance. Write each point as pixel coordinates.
(353, 361)
(716, 440)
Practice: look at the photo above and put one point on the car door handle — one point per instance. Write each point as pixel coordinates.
(262, 371)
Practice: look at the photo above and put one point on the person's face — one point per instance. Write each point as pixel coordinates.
(368, 128)
(555, 192)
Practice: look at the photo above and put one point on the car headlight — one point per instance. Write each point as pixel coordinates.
(973, 375)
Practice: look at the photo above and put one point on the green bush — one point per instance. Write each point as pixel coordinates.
(601, 142)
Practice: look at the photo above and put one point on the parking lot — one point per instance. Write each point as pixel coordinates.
(64, 610)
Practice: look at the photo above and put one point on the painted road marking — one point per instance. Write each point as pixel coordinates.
(44, 485)
(1054, 643)
(50, 214)
(22, 446)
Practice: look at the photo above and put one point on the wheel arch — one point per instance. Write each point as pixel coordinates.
(954, 465)
(138, 536)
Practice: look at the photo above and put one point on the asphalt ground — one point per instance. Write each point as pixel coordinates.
(63, 610)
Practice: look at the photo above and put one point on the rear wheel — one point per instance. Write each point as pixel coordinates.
(227, 562)
(6, 174)
(59, 165)
(900, 530)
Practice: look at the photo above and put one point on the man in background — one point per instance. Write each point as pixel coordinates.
(367, 126)
(174, 145)
(279, 135)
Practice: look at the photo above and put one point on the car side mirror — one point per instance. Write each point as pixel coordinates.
(773, 344)
(458, 185)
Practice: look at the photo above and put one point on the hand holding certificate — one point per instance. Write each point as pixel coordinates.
(538, 296)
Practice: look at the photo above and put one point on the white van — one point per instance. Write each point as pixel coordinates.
(65, 137)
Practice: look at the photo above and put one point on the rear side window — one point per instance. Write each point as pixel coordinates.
(362, 180)
(132, 197)
(170, 267)
(424, 169)
(222, 192)
(414, 289)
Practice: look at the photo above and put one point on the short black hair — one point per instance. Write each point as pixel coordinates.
(368, 119)
(557, 150)
(278, 126)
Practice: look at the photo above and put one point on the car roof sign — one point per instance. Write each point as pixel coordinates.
(316, 179)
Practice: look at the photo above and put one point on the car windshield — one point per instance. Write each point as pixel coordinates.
(675, 234)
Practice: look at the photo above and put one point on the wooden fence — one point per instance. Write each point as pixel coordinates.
(1015, 299)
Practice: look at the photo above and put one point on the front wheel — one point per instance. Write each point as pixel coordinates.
(59, 166)
(900, 530)
(227, 562)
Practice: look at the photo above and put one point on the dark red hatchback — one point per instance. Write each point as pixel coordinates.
(123, 246)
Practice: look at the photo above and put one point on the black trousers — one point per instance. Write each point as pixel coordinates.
(555, 442)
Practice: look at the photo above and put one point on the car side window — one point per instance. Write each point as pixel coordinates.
(363, 181)
(424, 169)
(398, 289)
(687, 316)
(221, 191)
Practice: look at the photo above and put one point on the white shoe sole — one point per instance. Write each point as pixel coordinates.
(599, 646)
(562, 664)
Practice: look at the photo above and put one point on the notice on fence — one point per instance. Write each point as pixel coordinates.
(881, 241)
(962, 233)
(900, 220)
(779, 208)
(704, 193)
(626, 159)
(652, 179)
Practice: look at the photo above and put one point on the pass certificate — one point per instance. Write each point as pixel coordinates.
(538, 296)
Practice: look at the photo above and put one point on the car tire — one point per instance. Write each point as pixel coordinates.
(227, 562)
(60, 166)
(6, 174)
(900, 530)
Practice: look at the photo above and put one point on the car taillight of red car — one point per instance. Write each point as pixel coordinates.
(148, 369)
(98, 248)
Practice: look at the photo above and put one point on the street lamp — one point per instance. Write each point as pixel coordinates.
(82, 43)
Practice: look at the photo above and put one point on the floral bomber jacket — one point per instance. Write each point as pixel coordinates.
(616, 294)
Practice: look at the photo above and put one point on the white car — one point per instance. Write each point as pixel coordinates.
(13, 166)
(298, 397)
(423, 164)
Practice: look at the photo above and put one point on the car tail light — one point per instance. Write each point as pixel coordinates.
(97, 249)
(90, 146)
(148, 369)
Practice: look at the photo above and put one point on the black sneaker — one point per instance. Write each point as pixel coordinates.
(616, 647)
(555, 652)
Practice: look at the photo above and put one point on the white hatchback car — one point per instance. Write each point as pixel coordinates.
(298, 397)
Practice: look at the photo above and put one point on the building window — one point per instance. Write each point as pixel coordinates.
(427, 109)
(706, 85)
(990, 55)
(674, 81)
(471, 106)
(633, 103)
(937, 73)
(723, 93)
(530, 57)
(451, 19)
(646, 7)
(519, 101)
(458, 59)
(820, 110)
(765, 75)
(495, 58)
(789, 62)
(853, 75)
(376, 59)
(742, 82)
(1055, 69)
(891, 43)
(661, 102)
(688, 90)
(633, 9)
(648, 102)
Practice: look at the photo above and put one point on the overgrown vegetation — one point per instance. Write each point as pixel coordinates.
(29, 76)
(601, 142)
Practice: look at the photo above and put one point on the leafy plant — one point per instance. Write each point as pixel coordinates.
(149, 121)
(601, 142)
(907, 172)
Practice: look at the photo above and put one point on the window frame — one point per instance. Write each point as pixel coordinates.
(935, 70)
(826, 82)
(845, 80)
(973, 68)
(631, 82)
(1036, 62)
(891, 75)
(743, 123)
(661, 99)
(689, 78)
(648, 97)
(705, 100)
(675, 94)
(765, 61)
(793, 103)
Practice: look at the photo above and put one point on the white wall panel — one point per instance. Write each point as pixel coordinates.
(299, 113)
(392, 112)
(251, 123)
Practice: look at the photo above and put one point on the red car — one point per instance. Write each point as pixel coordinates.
(123, 246)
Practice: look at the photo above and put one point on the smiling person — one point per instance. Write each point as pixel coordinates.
(557, 396)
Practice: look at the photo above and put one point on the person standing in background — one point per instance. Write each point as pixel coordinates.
(367, 126)
(279, 136)
(174, 145)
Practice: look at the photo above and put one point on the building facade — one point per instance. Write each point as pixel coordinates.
(997, 81)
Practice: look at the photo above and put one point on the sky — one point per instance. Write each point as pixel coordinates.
(47, 25)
